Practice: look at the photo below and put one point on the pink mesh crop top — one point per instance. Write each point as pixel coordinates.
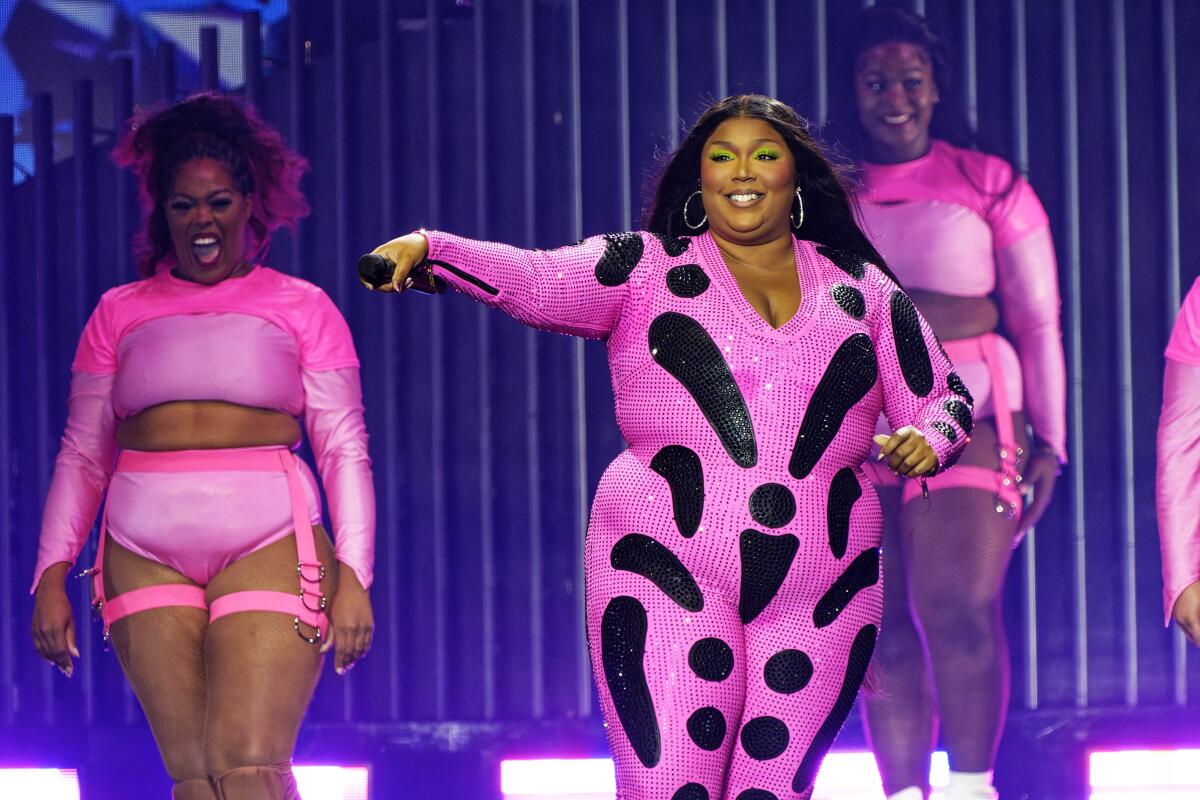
(265, 340)
(956, 222)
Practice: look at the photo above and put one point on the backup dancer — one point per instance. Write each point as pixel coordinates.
(215, 580)
(968, 238)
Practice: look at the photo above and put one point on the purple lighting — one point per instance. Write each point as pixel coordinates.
(1145, 774)
(44, 784)
(319, 782)
(843, 776)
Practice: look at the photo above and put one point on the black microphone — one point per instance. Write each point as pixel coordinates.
(377, 270)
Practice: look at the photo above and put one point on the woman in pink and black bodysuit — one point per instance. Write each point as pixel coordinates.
(971, 243)
(732, 556)
(214, 578)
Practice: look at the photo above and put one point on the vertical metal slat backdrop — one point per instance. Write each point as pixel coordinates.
(537, 122)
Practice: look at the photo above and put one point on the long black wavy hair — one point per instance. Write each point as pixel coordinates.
(829, 217)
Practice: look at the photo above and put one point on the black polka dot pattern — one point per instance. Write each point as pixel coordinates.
(622, 253)
(766, 560)
(691, 791)
(687, 280)
(622, 651)
(856, 670)
(652, 560)
(711, 659)
(756, 794)
(683, 348)
(955, 384)
(911, 350)
(945, 430)
(707, 728)
(849, 299)
(961, 413)
(850, 375)
(764, 738)
(674, 246)
(852, 264)
(862, 572)
(772, 505)
(844, 491)
(788, 671)
(681, 468)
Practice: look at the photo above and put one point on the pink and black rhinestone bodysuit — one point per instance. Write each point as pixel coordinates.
(732, 556)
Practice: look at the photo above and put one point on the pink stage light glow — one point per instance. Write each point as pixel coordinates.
(843, 776)
(318, 782)
(1145, 774)
(44, 784)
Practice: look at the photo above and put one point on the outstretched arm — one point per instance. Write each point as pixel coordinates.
(580, 289)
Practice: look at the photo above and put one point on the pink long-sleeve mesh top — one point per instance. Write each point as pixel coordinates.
(959, 222)
(264, 339)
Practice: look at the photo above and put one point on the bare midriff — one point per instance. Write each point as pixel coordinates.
(953, 317)
(205, 425)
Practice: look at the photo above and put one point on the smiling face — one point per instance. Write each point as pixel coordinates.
(748, 182)
(207, 217)
(894, 86)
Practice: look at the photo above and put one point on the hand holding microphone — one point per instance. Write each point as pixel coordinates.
(400, 265)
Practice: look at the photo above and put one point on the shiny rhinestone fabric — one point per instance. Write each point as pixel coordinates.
(684, 474)
(844, 491)
(862, 573)
(850, 300)
(623, 650)
(773, 505)
(642, 555)
(911, 345)
(711, 659)
(766, 560)
(683, 348)
(956, 385)
(621, 254)
(734, 392)
(850, 375)
(687, 280)
(788, 671)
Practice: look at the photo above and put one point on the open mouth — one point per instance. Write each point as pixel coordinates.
(897, 119)
(206, 249)
(745, 199)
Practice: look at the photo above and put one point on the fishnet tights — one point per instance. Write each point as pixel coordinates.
(942, 655)
(224, 701)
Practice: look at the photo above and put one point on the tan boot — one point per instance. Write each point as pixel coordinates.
(265, 782)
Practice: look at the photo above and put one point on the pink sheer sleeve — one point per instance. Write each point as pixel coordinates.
(579, 289)
(1031, 305)
(915, 375)
(81, 471)
(1178, 479)
(334, 418)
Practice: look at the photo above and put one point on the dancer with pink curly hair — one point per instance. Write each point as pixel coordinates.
(214, 577)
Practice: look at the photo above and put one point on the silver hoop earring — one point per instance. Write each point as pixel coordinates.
(699, 224)
(795, 223)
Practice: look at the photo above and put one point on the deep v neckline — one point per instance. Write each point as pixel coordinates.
(714, 264)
